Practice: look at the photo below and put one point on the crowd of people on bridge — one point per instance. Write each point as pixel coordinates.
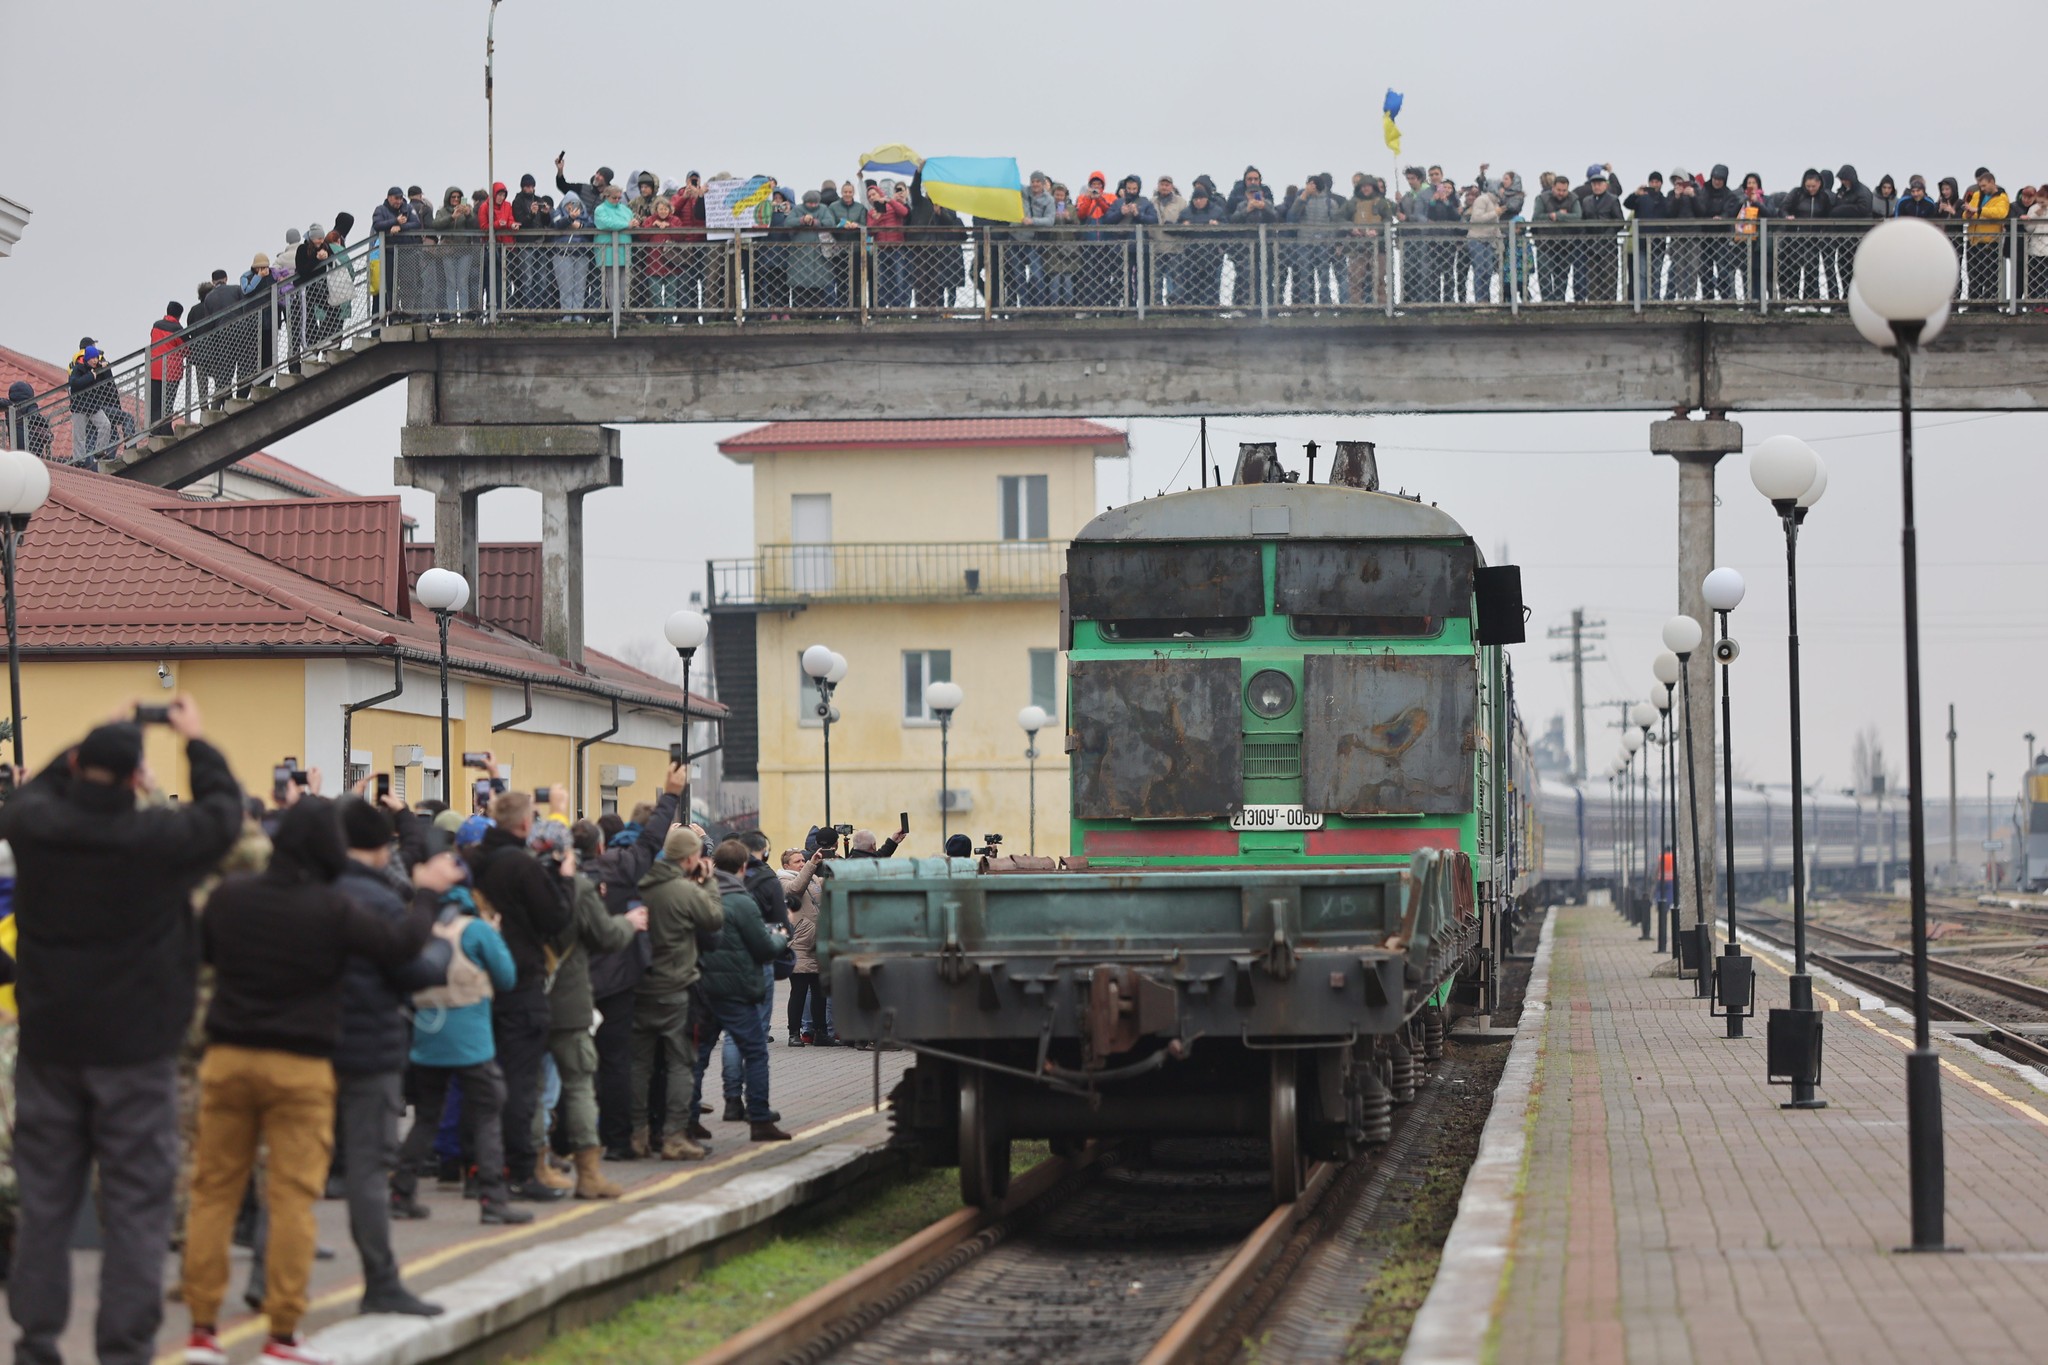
(644, 246)
(225, 1006)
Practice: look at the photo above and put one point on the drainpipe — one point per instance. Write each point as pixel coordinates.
(522, 717)
(349, 709)
(584, 744)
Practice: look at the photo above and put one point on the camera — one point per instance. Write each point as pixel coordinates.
(992, 846)
(1727, 651)
(843, 831)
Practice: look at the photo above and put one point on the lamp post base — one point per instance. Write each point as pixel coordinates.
(1663, 945)
(1733, 984)
(1926, 1168)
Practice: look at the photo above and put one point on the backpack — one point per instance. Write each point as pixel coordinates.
(468, 983)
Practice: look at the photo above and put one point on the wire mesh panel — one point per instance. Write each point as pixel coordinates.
(1986, 252)
(1203, 268)
(1577, 263)
(2031, 250)
(929, 271)
(1691, 262)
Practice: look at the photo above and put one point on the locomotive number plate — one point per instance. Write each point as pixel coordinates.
(1278, 818)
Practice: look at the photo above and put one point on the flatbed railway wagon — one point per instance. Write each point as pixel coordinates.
(1290, 738)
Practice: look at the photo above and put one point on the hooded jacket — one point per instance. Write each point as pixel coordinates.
(1239, 203)
(455, 214)
(1798, 203)
(678, 911)
(576, 227)
(280, 941)
(571, 1004)
(1725, 202)
(28, 429)
(533, 902)
(1852, 196)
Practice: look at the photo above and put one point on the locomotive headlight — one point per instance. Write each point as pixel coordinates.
(1271, 693)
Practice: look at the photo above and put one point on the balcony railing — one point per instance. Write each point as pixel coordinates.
(940, 571)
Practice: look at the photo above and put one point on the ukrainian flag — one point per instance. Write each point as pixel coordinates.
(891, 159)
(1390, 111)
(984, 186)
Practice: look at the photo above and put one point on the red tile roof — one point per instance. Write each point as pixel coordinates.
(976, 431)
(111, 568)
(507, 584)
(344, 542)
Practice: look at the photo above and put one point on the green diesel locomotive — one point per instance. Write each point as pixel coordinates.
(1289, 725)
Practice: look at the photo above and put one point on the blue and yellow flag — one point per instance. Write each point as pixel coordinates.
(891, 158)
(752, 195)
(984, 186)
(1388, 113)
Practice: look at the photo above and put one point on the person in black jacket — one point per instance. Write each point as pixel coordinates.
(614, 977)
(369, 1062)
(1651, 209)
(1798, 267)
(279, 943)
(535, 901)
(108, 959)
(1721, 253)
(1856, 210)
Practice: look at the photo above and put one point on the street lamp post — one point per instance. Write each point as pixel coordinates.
(1906, 276)
(1785, 470)
(24, 488)
(825, 668)
(1631, 744)
(443, 592)
(1682, 636)
(1032, 719)
(1644, 716)
(685, 630)
(1665, 667)
(1734, 972)
(942, 699)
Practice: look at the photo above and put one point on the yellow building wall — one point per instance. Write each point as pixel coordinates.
(883, 764)
(919, 495)
(254, 711)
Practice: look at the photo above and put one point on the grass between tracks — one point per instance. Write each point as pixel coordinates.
(736, 1294)
(1417, 1246)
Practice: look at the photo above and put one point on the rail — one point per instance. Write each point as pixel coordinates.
(277, 336)
(940, 571)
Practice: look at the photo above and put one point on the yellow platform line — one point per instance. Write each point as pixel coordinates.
(254, 1326)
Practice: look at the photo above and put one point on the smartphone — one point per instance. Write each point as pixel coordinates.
(152, 715)
(383, 786)
(675, 755)
(540, 796)
(303, 779)
(482, 791)
(903, 819)
(475, 759)
(281, 776)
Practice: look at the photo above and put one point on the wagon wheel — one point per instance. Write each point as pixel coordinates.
(984, 1140)
(1284, 1128)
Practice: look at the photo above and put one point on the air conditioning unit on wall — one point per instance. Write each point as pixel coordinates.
(956, 799)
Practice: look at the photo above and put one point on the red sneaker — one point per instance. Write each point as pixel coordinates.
(203, 1348)
(298, 1354)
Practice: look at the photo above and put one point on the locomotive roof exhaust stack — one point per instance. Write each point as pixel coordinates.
(1259, 462)
(1356, 466)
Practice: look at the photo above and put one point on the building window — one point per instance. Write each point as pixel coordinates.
(1024, 501)
(922, 667)
(1045, 692)
(608, 800)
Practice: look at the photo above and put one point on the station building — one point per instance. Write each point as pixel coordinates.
(291, 622)
(921, 551)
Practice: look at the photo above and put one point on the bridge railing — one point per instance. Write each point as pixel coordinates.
(985, 273)
(939, 571)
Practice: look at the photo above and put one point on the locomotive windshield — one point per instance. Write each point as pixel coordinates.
(1352, 589)
(1200, 591)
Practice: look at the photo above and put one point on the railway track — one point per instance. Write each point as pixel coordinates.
(2015, 1044)
(1109, 1256)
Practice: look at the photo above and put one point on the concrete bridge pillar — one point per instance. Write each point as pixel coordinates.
(459, 464)
(1697, 446)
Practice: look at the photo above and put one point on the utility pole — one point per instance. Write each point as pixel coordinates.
(1954, 862)
(1585, 636)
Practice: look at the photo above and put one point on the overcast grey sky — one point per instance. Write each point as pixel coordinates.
(155, 142)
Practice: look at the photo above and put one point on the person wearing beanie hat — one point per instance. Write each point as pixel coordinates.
(1916, 202)
(369, 1062)
(681, 911)
(254, 339)
(735, 981)
(166, 364)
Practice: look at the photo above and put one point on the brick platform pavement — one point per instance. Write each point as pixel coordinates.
(1670, 1211)
(822, 1093)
